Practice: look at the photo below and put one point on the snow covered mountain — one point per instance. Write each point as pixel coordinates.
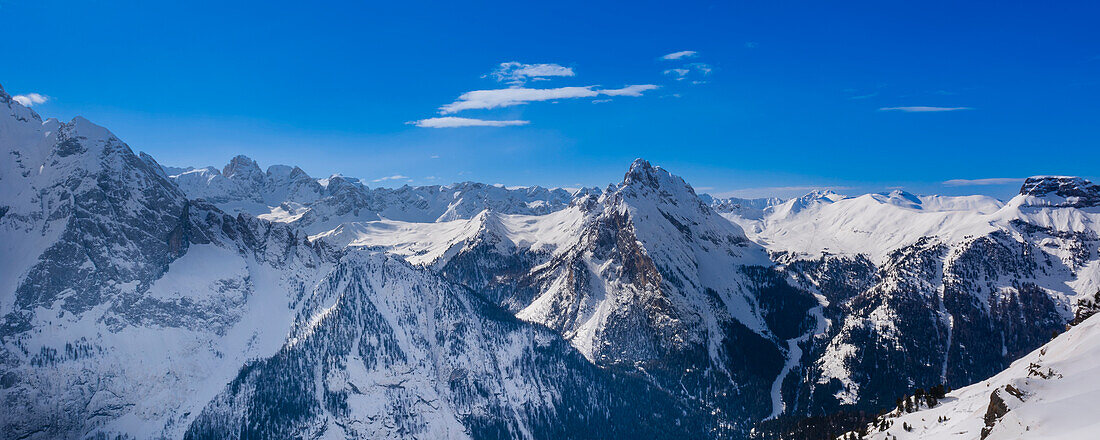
(386, 351)
(126, 306)
(129, 308)
(644, 278)
(1050, 393)
(937, 290)
(149, 301)
(288, 195)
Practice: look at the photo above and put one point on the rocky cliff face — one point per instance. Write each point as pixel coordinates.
(1066, 191)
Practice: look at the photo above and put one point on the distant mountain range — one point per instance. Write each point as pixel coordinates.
(144, 301)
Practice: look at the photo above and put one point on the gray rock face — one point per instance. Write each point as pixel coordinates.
(120, 205)
(1075, 191)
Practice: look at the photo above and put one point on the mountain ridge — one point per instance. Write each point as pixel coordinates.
(717, 313)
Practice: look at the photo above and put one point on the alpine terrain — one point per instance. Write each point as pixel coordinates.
(139, 300)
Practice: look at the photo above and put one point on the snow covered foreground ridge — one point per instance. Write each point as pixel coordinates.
(149, 301)
(1048, 394)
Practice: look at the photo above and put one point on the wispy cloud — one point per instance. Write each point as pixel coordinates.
(30, 99)
(488, 99)
(703, 68)
(517, 73)
(682, 73)
(393, 177)
(455, 122)
(679, 74)
(990, 181)
(679, 55)
(865, 96)
(752, 45)
(635, 90)
(496, 98)
(923, 109)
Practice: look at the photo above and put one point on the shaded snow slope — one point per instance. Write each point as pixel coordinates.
(124, 306)
(1050, 393)
(383, 350)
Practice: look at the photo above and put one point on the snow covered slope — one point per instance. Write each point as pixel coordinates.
(1048, 394)
(951, 296)
(433, 244)
(125, 306)
(871, 224)
(877, 224)
(387, 351)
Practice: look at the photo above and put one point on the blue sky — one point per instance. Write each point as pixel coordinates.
(774, 98)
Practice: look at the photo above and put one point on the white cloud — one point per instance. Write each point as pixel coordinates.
(517, 73)
(682, 73)
(635, 90)
(393, 177)
(990, 181)
(679, 74)
(488, 99)
(453, 122)
(679, 55)
(30, 99)
(496, 98)
(923, 109)
(752, 45)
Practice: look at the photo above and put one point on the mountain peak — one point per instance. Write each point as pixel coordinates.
(242, 167)
(83, 127)
(902, 198)
(1077, 191)
(1065, 186)
(19, 111)
(643, 173)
